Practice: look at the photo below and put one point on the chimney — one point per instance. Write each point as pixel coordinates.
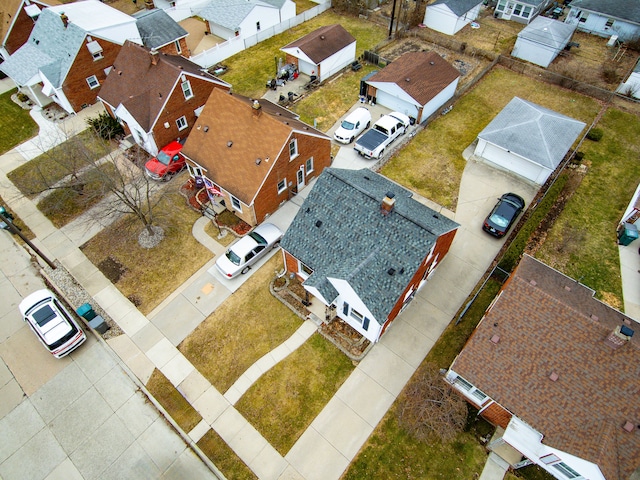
(387, 203)
(149, 5)
(619, 337)
(65, 19)
(257, 108)
(154, 57)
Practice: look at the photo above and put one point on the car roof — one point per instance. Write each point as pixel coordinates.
(33, 299)
(243, 246)
(359, 112)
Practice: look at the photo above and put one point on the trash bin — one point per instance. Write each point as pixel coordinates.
(86, 311)
(98, 324)
(627, 233)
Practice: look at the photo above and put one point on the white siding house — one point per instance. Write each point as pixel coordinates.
(631, 86)
(613, 17)
(449, 16)
(542, 40)
(522, 11)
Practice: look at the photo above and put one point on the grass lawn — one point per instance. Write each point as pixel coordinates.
(286, 399)
(432, 164)
(16, 125)
(224, 458)
(52, 166)
(582, 243)
(148, 276)
(249, 70)
(173, 401)
(249, 324)
(304, 5)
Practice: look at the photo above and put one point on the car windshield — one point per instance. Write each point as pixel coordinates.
(499, 220)
(233, 258)
(258, 238)
(163, 158)
(347, 125)
(44, 315)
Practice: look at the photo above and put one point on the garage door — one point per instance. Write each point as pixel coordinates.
(394, 103)
(517, 165)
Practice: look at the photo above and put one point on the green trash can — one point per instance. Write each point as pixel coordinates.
(627, 233)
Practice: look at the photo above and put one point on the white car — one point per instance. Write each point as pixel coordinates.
(352, 126)
(248, 250)
(52, 323)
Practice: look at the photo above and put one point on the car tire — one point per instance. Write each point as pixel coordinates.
(352, 139)
(368, 125)
(276, 245)
(381, 153)
(245, 270)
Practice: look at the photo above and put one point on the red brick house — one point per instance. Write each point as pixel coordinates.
(17, 20)
(157, 97)
(256, 153)
(364, 247)
(558, 371)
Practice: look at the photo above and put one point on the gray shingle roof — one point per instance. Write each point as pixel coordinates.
(157, 28)
(546, 31)
(230, 13)
(356, 242)
(459, 7)
(533, 132)
(623, 9)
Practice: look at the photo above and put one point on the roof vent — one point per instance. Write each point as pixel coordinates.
(407, 79)
(495, 339)
(533, 283)
(366, 177)
(594, 318)
(628, 426)
(401, 271)
(257, 108)
(258, 161)
(435, 215)
(308, 210)
(431, 63)
(318, 223)
(65, 19)
(391, 271)
(206, 128)
(322, 37)
(387, 203)
(229, 143)
(553, 377)
(567, 288)
(619, 337)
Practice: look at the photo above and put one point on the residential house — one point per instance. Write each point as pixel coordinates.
(557, 371)
(158, 31)
(450, 16)
(323, 52)
(229, 18)
(255, 153)
(364, 247)
(521, 11)
(17, 19)
(416, 84)
(610, 18)
(528, 140)
(631, 85)
(156, 96)
(69, 53)
(542, 40)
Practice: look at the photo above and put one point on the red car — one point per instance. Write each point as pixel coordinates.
(167, 163)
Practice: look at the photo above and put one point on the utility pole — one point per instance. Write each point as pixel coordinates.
(393, 14)
(7, 224)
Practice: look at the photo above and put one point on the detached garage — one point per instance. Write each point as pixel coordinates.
(450, 16)
(528, 140)
(542, 40)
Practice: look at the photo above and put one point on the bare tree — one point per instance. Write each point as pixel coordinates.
(429, 408)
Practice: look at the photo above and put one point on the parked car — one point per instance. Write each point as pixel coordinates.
(388, 127)
(248, 250)
(352, 126)
(503, 215)
(167, 163)
(52, 323)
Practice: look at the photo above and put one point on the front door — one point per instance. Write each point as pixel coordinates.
(300, 178)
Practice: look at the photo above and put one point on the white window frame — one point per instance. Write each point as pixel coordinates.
(195, 170)
(302, 270)
(293, 149)
(566, 470)
(469, 390)
(90, 80)
(356, 315)
(236, 203)
(309, 165)
(178, 47)
(186, 87)
(284, 185)
(182, 123)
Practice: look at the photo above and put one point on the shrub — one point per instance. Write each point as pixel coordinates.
(578, 157)
(22, 97)
(595, 134)
(106, 126)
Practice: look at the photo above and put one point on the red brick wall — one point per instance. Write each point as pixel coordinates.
(290, 262)
(268, 199)
(75, 86)
(497, 415)
(177, 106)
(170, 48)
(20, 32)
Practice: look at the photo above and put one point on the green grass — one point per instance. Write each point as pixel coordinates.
(249, 70)
(284, 401)
(52, 166)
(172, 401)
(304, 5)
(239, 333)
(223, 457)
(16, 125)
(432, 163)
(582, 244)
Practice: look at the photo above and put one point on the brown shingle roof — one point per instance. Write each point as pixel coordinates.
(323, 42)
(421, 74)
(143, 87)
(232, 118)
(548, 323)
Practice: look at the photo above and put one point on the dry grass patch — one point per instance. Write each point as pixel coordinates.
(148, 276)
(172, 401)
(432, 164)
(214, 232)
(304, 5)
(494, 35)
(223, 457)
(249, 324)
(285, 400)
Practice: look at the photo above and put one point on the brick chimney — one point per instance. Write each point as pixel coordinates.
(154, 57)
(65, 19)
(387, 203)
(619, 337)
(149, 5)
(257, 108)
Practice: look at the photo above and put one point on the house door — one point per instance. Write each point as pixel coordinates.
(300, 177)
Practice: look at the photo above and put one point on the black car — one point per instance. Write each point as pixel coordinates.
(499, 221)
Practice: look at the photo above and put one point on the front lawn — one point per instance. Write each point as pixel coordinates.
(249, 70)
(432, 164)
(249, 324)
(582, 244)
(225, 459)
(172, 401)
(286, 399)
(16, 125)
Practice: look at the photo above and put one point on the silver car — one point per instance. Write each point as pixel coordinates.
(248, 250)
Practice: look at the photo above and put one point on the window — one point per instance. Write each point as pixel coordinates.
(195, 171)
(94, 49)
(236, 203)
(566, 470)
(258, 26)
(93, 82)
(345, 309)
(518, 9)
(182, 123)
(473, 392)
(282, 185)
(582, 19)
(178, 47)
(186, 89)
(548, 459)
(501, 5)
(293, 148)
(609, 23)
(364, 321)
(303, 270)
(526, 12)
(309, 165)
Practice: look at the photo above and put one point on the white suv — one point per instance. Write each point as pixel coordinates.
(352, 126)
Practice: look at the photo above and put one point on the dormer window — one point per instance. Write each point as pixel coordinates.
(186, 90)
(95, 50)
